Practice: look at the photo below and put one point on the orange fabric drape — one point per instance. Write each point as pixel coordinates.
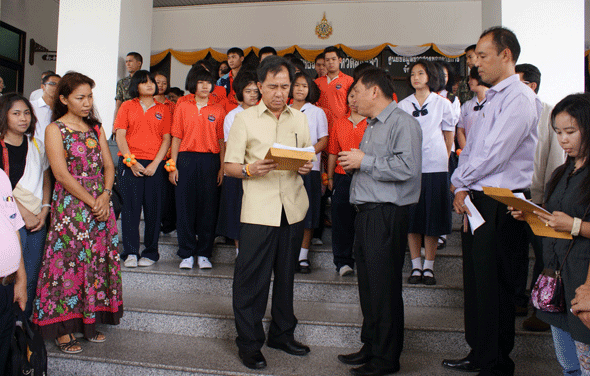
(191, 57)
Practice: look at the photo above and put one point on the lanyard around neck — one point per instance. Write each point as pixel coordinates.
(5, 157)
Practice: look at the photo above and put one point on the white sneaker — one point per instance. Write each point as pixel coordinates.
(204, 263)
(131, 261)
(144, 261)
(346, 270)
(317, 241)
(187, 263)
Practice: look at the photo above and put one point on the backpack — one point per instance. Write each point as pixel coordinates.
(27, 354)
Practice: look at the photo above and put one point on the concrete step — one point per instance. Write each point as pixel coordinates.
(129, 352)
(319, 323)
(319, 286)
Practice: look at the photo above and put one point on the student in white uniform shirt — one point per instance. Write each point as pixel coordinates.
(471, 109)
(43, 105)
(431, 216)
(230, 203)
(305, 92)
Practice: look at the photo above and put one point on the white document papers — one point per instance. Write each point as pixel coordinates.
(521, 196)
(285, 147)
(475, 220)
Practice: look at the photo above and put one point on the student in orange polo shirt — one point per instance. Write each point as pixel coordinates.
(197, 149)
(142, 128)
(162, 83)
(334, 86)
(235, 58)
(346, 134)
(218, 95)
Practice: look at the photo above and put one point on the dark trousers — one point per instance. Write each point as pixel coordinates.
(33, 245)
(490, 275)
(522, 299)
(343, 215)
(168, 207)
(264, 250)
(196, 203)
(7, 323)
(141, 192)
(381, 236)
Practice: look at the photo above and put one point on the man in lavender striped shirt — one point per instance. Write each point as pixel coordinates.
(499, 153)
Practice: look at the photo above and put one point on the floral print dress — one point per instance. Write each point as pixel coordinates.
(80, 278)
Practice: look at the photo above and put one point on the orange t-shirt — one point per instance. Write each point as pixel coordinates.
(333, 95)
(344, 137)
(200, 131)
(218, 95)
(145, 131)
(171, 105)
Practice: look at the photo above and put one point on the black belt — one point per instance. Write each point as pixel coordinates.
(480, 194)
(8, 279)
(370, 206)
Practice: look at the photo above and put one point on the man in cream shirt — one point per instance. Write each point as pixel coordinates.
(273, 208)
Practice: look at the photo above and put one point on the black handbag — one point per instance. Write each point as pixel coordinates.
(27, 354)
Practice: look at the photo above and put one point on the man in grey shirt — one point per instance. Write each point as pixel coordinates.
(387, 170)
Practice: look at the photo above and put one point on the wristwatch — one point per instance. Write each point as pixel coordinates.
(109, 191)
(244, 171)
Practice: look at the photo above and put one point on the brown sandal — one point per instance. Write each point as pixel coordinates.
(96, 338)
(67, 346)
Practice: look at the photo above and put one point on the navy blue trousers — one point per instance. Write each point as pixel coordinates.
(145, 192)
(196, 203)
(7, 322)
(343, 215)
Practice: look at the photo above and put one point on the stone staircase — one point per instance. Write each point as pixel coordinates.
(180, 322)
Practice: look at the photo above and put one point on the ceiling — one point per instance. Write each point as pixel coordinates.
(178, 3)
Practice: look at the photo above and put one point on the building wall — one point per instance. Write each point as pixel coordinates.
(39, 19)
(355, 24)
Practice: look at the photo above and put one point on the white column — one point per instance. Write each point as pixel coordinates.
(95, 36)
(551, 35)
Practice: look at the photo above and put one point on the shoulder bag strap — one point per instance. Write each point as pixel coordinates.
(5, 157)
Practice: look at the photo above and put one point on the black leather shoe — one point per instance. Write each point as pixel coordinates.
(464, 364)
(370, 370)
(253, 360)
(415, 279)
(428, 280)
(290, 347)
(355, 359)
(302, 268)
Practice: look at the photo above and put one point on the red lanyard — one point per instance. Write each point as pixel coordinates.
(5, 157)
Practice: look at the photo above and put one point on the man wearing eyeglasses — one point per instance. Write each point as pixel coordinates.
(43, 106)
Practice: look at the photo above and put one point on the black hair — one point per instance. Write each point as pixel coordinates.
(474, 73)
(6, 103)
(296, 62)
(358, 71)
(136, 56)
(377, 77)
(267, 50)
(46, 73)
(439, 76)
(236, 50)
(140, 77)
(242, 80)
(320, 56)
(48, 76)
(504, 38)
(225, 71)
(176, 90)
(432, 72)
(332, 49)
(313, 94)
(530, 73)
(578, 107)
(195, 75)
(274, 64)
(470, 48)
(68, 83)
(205, 64)
(451, 75)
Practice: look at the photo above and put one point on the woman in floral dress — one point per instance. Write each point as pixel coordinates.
(80, 279)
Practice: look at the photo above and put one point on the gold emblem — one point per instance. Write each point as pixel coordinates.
(324, 28)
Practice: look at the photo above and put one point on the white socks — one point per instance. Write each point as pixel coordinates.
(428, 264)
(303, 256)
(417, 264)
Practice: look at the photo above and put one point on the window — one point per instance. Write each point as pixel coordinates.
(12, 57)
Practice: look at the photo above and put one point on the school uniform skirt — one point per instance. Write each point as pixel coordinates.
(431, 216)
(313, 186)
(230, 208)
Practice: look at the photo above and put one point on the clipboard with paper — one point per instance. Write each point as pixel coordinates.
(505, 196)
